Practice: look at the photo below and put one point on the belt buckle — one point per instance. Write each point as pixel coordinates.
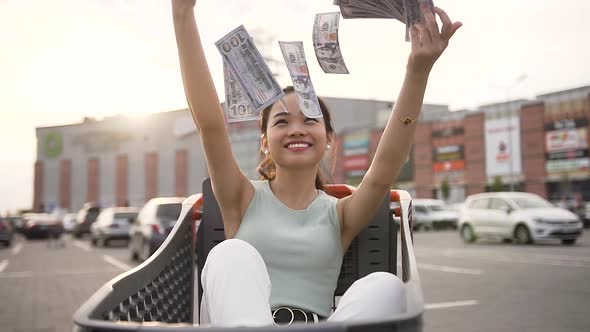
(292, 315)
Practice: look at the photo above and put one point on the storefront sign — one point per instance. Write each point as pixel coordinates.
(450, 176)
(502, 142)
(448, 152)
(566, 124)
(446, 166)
(356, 143)
(571, 154)
(566, 143)
(566, 139)
(448, 132)
(568, 165)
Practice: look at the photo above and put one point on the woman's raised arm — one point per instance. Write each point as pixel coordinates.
(428, 43)
(231, 187)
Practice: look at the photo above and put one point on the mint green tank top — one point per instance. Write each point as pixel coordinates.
(302, 249)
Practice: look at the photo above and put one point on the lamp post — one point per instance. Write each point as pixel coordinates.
(507, 89)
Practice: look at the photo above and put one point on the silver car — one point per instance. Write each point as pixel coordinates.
(112, 224)
(154, 222)
(434, 213)
(524, 217)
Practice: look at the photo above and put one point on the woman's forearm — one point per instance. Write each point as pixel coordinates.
(409, 102)
(428, 43)
(198, 85)
(398, 135)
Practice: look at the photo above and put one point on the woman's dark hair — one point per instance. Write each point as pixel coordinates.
(267, 167)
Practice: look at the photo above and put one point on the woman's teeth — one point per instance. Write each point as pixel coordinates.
(298, 146)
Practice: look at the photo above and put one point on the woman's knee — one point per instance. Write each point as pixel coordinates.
(233, 246)
(376, 296)
(387, 286)
(386, 279)
(234, 253)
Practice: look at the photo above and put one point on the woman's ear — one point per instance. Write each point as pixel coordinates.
(263, 143)
(330, 140)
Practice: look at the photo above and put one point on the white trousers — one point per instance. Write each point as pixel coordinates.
(236, 291)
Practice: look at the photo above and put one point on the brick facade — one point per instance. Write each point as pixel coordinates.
(533, 148)
(475, 158)
(65, 183)
(181, 173)
(122, 180)
(38, 204)
(151, 175)
(423, 176)
(93, 180)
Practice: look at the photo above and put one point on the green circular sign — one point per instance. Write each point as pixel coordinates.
(52, 144)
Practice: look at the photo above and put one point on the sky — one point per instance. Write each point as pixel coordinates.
(63, 60)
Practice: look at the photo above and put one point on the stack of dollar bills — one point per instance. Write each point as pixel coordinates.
(406, 11)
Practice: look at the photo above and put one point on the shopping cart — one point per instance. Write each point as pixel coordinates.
(159, 294)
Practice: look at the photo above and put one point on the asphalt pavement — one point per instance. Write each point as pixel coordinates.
(486, 286)
(494, 286)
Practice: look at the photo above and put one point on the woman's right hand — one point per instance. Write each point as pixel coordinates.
(182, 5)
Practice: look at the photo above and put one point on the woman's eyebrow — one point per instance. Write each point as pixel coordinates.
(281, 114)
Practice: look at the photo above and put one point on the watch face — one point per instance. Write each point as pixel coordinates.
(52, 144)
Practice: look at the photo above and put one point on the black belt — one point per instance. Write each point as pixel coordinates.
(288, 316)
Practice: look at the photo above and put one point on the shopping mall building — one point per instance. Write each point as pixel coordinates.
(539, 146)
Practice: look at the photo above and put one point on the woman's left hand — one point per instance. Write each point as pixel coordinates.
(428, 43)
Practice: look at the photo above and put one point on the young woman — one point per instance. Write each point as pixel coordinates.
(285, 236)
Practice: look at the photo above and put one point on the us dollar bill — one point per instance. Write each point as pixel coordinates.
(249, 69)
(413, 13)
(371, 9)
(294, 56)
(326, 44)
(237, 107)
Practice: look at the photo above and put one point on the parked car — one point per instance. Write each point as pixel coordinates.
(417, 223)
(583, 212)
(42, 225)
(456, 206)
(69, 221)
(524, 217)
(112, 224)
(85, 217)
(433, 213)
(587, 215)
(6, 231)
(17, 222)
(153, 224)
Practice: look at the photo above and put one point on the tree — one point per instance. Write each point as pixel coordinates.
(445, 189)
(497, 185)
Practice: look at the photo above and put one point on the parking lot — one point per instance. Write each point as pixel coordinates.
(486, 286)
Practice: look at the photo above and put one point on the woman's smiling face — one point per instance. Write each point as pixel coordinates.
(292, 139)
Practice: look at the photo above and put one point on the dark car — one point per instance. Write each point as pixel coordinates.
(154, 222)
(6, 231)
(584, 214)
(85, 218)
(42, 226)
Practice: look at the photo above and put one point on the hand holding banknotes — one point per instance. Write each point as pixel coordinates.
(428, 41)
